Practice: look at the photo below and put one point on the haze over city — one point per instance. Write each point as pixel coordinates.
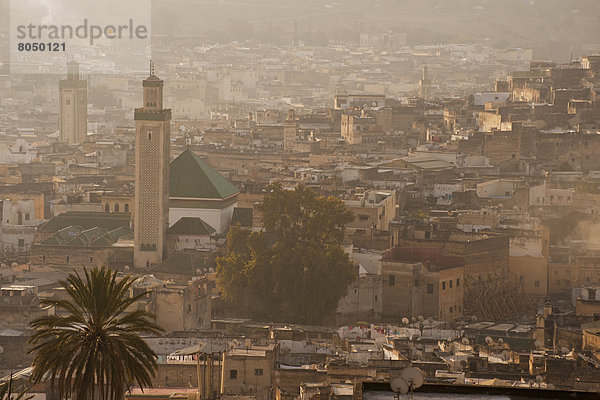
(285, 200)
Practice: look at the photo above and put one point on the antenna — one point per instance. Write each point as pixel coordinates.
(151, 67)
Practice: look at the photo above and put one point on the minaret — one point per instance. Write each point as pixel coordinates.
(73, 106)
(290, 131)
(424, 85)
(152, 141)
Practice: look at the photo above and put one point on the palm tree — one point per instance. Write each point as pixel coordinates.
(91, 346)
(6, 392)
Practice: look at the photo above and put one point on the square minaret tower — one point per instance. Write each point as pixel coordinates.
(152, 147)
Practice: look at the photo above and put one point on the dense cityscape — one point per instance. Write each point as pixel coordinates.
(306, 214)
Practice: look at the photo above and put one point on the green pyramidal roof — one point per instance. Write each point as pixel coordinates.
(192, 177)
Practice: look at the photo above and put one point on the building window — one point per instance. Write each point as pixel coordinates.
(106, 207)
(450, 283)
(43, 258)
(457, 282)
(363, 217)
(26, 216)
(258, 371)
(392, 280)
(233, 374)
(537, 283)
(91, 259)
(430, 288)
(21, 242)
(450, 310)
(68, 258)
(116, 207)
(126, 207)
(443, 285)
(375, 297)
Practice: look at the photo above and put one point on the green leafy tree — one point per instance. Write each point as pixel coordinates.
(91, 347)
(296, 268)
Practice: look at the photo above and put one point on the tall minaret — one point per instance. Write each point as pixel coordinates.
(425, 84)
(152, 141)
(73, 106)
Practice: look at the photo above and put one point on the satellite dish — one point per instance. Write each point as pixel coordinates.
(127, 268)
(539, 378)
(565, 350)
(489, 340)
(399, 386)
(550, 386)
(413, 377)
(420, 318)
(538, 344)
(1, 349)
(248, 343)
(211, 270)
(405, 321)
(500, 340)
(465, 341)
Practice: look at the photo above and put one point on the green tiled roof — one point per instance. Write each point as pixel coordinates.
(192, 177)
(191, 226)
(86, 237)
(242, 216)
(109, 238)
(93, 237)
(62, 236)
(86, 220)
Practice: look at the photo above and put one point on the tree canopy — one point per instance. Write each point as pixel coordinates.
(295, 268)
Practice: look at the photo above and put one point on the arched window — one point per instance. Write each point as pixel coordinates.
(116, 207)
(126, 207)
(107, 207)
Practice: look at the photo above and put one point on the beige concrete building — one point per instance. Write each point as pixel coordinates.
(432, 288)
(152, 141)
(73, 106)
(248, 371)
